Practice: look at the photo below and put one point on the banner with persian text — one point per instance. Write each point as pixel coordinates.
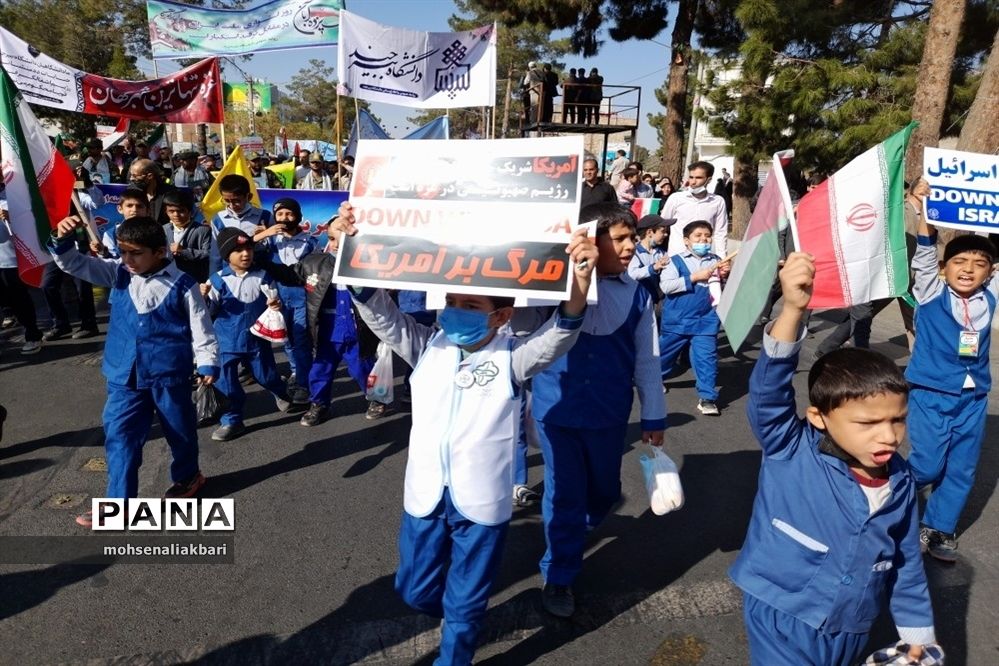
(317, 206)
(192, 95)
(964, 189)
(179, 30)
(479, 217)
(423, 70)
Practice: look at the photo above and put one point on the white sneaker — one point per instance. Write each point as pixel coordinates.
(31, 347)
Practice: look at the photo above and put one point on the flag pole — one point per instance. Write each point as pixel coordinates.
(82, 212)
(339, 161)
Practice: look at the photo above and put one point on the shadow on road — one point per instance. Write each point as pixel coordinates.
(27, 589)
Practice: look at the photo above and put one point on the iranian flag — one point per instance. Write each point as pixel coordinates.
(853, 225)
(753, 270)
(38, 179)
(643, 207)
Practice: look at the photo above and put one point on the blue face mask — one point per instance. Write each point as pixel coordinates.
(464, 327)
(700, 249)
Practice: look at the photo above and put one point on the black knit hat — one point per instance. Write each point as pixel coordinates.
(231, 239)
(287, 203)
(969, 243)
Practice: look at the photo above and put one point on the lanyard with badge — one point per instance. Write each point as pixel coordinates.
(968, 341)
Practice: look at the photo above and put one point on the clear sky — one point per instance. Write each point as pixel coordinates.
(638, 63)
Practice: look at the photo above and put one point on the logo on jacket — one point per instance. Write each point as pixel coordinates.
(311, 282)
(485, 373)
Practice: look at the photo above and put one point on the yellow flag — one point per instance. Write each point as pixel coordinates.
(212, 202)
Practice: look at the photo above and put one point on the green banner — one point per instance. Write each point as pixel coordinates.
(178, 30)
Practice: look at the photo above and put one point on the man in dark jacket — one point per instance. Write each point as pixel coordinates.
(595, 189)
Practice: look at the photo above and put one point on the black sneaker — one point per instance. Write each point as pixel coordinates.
(187, 488)
(939, 545)
(558, 600)
(85, 333)
(376, 410)
(317, 414)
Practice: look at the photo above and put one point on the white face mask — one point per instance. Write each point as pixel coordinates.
(698, 190)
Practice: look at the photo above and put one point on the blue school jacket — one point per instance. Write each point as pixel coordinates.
(813, 550)
(935, 362)
(688, 312)
(234, 316)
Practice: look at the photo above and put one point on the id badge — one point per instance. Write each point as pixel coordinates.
(968, 344)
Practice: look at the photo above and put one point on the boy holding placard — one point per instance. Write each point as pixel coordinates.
(466, 381)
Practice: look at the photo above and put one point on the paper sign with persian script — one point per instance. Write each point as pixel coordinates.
(481, 217)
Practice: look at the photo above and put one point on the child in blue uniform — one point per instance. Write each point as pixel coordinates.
(133, 202)
(582, 404)
(650, 253)
(190, 241)
(235, 297)
(159, 330)
(834, 531)
(466, 411)
(334, 326)
(688, 315)
(950, 377)
(288, 244)
(238, 213)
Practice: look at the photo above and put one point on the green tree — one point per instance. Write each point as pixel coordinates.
(830, 80)
(86, 34)
(309, 107)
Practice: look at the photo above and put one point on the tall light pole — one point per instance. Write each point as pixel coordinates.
(249, 93)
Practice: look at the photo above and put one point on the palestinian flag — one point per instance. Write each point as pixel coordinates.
(285, 172)
(753, 270)
(157, 139)
(39, 182)
(853, 225)
(643, 207)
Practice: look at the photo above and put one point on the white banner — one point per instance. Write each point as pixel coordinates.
(424, 70)
(964, 189)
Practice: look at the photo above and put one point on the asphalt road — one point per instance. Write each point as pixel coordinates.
(317, 512)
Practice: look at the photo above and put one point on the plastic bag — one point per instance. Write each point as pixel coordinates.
(662, 481)
(209, 403)
(270, 324)
(381, 379)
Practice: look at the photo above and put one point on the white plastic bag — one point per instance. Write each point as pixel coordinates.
(662, 481)
(270, 324)
(381, 379)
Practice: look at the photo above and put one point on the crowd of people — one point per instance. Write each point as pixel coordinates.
(835, 530)
(194, 170)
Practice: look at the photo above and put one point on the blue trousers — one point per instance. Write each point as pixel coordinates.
(298, 346)
(264, 370)
(779, 639)
(946, 433)
(328, 357)
(447, 565)
(703, 358)
(582, 483)
(128, 415)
